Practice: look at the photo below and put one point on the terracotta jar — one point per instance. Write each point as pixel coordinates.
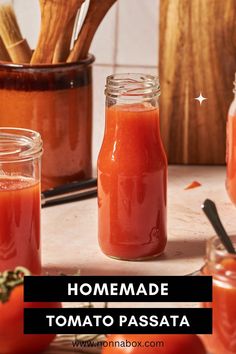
(56, 101)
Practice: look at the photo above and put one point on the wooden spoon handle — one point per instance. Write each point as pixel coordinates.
(62, 49)
(4, 56)
(96, 12)
(55, 16)
(20, 52)
(17, 47)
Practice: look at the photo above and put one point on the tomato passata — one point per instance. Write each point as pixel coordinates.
(154, 344)
(12, 337)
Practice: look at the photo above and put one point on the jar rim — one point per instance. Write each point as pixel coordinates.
(13, 66)
(216, 249)
(132, 85)
(19, 144)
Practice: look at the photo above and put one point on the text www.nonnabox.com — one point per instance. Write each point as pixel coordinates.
(118, 344)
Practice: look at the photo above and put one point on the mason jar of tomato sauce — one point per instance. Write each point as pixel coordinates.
(20, 169)
(231, 149)
(132, 171)
(222, 266)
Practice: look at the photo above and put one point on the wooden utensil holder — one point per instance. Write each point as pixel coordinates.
(55, 100)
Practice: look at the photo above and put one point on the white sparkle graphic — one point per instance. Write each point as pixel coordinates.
(200, 98)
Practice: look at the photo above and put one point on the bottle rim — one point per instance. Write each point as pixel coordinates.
(19, 144)
(132, 85)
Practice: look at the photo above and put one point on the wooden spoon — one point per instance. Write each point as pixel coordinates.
(55, 17)
(96, 12)
(67, 39)
(4, 56)
(16, 46)
(62, 49)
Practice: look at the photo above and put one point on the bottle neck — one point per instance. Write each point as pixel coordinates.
(132, 89)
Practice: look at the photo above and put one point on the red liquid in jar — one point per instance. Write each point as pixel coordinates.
(223, 339)
(132, 173)
(20, 224)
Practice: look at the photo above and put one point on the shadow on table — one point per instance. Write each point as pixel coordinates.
(60, 270)
(184, 249)
(87, 269)
(176, 250)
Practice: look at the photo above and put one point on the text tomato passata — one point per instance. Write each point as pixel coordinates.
(154, 344)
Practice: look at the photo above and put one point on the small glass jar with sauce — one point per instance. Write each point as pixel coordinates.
(56, 101)
(231, 149)
(132, 171)
(20, 203)
(222, 266)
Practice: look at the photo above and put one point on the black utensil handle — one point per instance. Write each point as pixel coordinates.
(81, 195)
(69, 187)
(210, 210)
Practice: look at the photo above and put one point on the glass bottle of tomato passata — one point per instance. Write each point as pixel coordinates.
(222, 266)
(231, 149)
(132, 171)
